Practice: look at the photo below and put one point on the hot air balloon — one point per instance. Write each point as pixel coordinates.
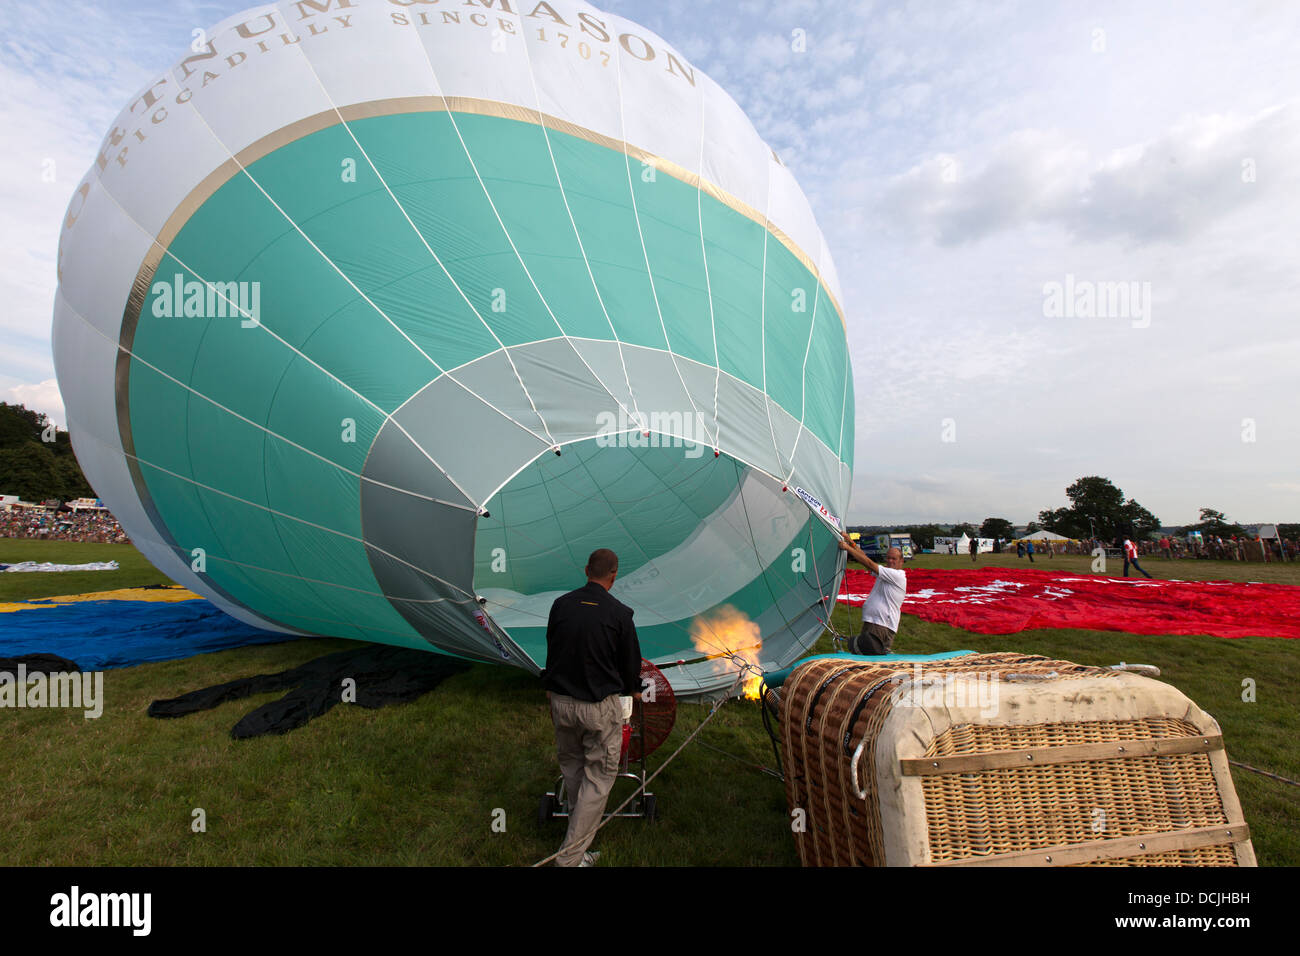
(375, 318)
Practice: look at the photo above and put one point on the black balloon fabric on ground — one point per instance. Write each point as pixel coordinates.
(383, 675)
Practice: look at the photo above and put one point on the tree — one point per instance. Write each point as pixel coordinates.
(1096, 498)
(1214, 523)
(1139, 522)
(1062, 521)
(923, 534)
(997, 528)
(964, 528)
(32, 466)
(1031, 527)
(28, 472)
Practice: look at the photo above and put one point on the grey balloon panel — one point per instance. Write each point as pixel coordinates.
(568, 392)
(406, 536)
(477, 445)
(657, 385)
(572, 395)
(435, 538)
(700, 383)
(743, 427)
(440, 615)
(483, 450)
(394, 460)
(786, 430)
(607, 360)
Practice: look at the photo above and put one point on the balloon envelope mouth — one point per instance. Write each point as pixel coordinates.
(695, 533)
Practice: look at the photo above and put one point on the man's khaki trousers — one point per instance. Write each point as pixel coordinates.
(589, 740)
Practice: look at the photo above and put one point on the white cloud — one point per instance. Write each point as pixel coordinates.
(1166, 189)
(42, 397)
(1124, 165)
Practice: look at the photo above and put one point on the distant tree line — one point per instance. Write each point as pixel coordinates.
(1112, 515)
(36, 459)
(1097, 509)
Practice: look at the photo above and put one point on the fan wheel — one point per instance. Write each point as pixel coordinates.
(654, 709)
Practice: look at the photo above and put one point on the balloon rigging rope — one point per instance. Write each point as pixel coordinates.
(645, 253)
(826, 600)
(723, 650)
(532, 76)
(362, 540)
(708, 282)
(803, 375)
(357, 289)
(758, 560)
(342, 534)
(844, 404)
(425, 242)
(268, 331)
(558, 479)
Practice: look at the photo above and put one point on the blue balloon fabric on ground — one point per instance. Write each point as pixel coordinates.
(105, 634)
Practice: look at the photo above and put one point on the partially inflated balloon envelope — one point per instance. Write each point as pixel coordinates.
(376, 317)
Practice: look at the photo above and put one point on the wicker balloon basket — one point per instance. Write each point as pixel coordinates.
(1003, 760)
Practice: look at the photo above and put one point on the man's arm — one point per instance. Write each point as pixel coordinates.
(856, 553)
(550, 634)
(631, 659)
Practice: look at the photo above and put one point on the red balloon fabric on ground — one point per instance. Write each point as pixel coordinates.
(1008, 600)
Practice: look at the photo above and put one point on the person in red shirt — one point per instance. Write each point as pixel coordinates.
(1131, 557)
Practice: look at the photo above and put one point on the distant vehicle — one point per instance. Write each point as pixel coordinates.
(876, 545)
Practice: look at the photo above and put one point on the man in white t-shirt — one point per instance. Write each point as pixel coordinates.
(884, 605)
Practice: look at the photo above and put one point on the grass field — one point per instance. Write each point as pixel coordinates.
(423, 783)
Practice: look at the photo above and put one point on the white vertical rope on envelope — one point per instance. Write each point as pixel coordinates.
(436, 258)
(631, 188)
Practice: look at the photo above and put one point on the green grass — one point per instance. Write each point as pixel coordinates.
(418, 783)
(134, 570)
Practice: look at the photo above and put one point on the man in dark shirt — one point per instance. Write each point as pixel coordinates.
(593, 669)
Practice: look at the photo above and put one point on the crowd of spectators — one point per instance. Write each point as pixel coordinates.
(1237, 548)
(95, 526)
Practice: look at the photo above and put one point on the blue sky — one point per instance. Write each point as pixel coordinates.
(961, 158)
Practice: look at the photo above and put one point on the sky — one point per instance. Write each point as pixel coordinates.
(1067, 233)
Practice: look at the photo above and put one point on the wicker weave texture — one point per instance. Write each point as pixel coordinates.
(989, 814)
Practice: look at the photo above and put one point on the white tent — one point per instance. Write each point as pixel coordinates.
(983, 545)
(1044, 536)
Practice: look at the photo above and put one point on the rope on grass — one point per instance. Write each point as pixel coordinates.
(1265, 773)
(635, 793)
(745, 760)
